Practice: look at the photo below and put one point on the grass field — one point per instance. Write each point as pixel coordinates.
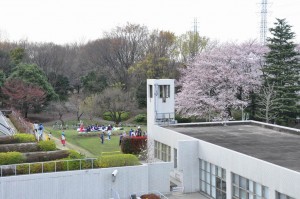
(92, 144)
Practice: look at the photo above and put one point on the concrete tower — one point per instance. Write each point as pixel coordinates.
(160, 101)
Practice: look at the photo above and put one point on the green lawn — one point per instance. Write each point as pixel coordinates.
(93, 144)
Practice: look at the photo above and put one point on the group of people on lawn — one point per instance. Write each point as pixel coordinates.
(92, 128)
(132, 133)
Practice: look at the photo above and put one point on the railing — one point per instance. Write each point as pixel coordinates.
(165, 118)
(47, 167)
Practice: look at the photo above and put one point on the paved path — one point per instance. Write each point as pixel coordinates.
(69, 146)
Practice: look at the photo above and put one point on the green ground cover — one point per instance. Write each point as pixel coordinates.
(93, 143)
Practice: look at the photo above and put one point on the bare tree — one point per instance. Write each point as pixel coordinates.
(60, 108)
(116, 102)
(74, 105)
(267, 103)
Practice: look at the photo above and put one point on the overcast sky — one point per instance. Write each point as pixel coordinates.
(65, 21)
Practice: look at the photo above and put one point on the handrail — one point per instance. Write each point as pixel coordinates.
(12, 169)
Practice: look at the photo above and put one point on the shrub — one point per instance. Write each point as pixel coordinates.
(117, 160)
(141, 118)
(124, 116)
(11, 158)
(48, 145)
(23, 169)
(133, 145)
(24, 137)
(182, 119)
(74, 155)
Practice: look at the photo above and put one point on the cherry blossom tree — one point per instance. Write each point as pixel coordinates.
(220, 80)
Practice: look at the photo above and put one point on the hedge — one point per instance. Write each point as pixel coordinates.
(119, 160)
(19, 147)
(17, 138)
(24, 137)
(48, 145)
(141, 118)
(134, 145)
(50, 166)
(11, 158)
(43, 156)
(181, 119)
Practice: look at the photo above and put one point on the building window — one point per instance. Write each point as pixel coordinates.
(212, 180)
(282, 196)
(164, 92)
(151, 91)
(244, 188)
(162, 151)
(175, 158)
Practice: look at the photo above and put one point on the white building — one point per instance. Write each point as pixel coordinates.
(244, 159)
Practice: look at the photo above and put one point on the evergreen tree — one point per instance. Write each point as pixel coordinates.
(282, 70)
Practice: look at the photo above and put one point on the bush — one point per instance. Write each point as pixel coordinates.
(48, 145)
(182, 119)
(117, 160)
(124, 116)
(141, 118)
(75, 155)
(11, 158)
(133, 145)
(24, 137)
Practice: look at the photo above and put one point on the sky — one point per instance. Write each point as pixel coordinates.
(68, 21)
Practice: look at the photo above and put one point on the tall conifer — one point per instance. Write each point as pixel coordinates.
(282, 70)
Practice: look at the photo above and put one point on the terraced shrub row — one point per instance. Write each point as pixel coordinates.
(118, 160)
(72, 163)
(17, 138)
(11, 158)
(29, 147)
(17, 157)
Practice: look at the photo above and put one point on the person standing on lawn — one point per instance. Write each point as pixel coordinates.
(63, 138)
(102, 137)
(109, 131)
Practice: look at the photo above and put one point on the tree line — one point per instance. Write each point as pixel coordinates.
(35, 76)
(259, 82)
(214, 80)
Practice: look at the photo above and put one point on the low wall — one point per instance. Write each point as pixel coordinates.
(88, 184)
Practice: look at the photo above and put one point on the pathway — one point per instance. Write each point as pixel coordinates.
(68, 146)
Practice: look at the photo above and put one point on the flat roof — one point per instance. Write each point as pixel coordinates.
(271, 143)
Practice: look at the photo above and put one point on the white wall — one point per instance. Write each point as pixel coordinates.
(87, 184)
(275, 177)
